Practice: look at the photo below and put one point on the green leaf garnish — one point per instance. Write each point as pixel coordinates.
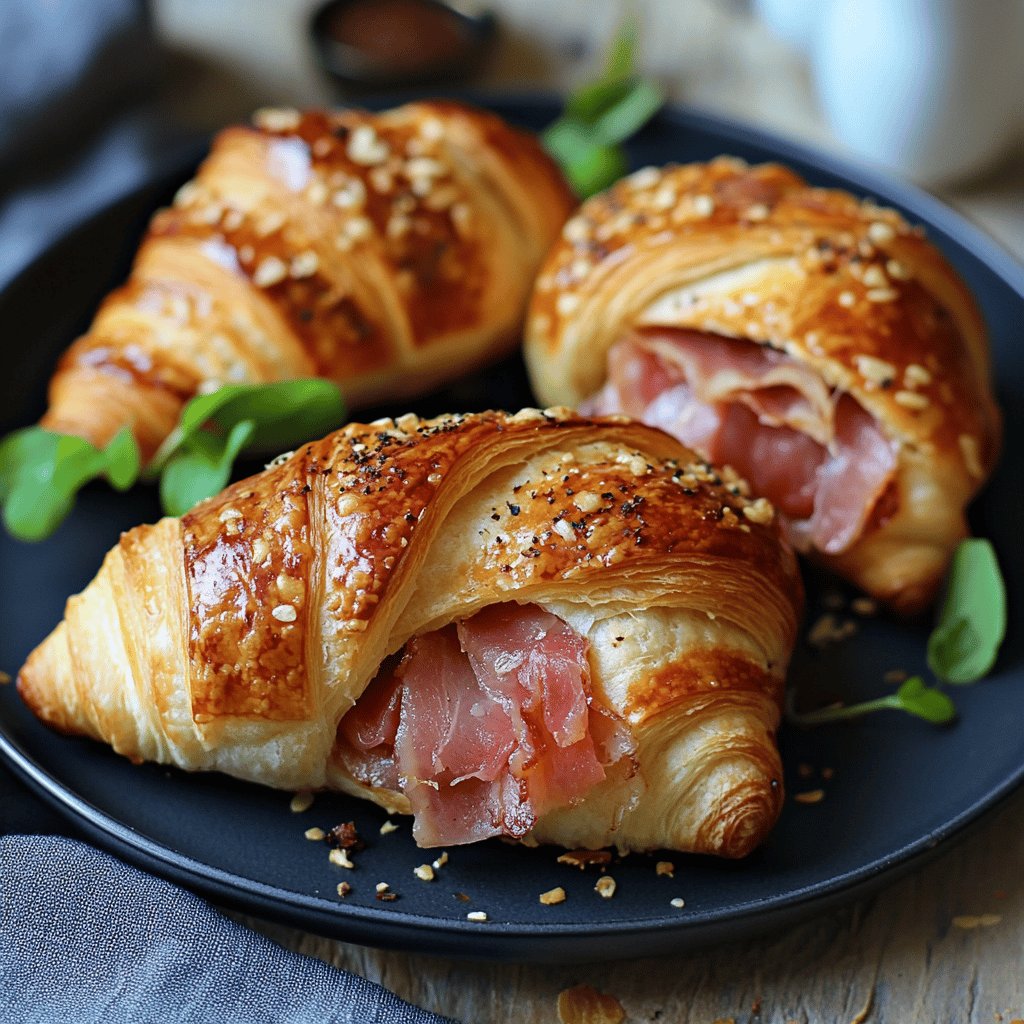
(588, 165)
(961, 649)
(913, 697)
(201, 468)
(964, 644)
(42, 471)
(196, 459)
(586, 140)
(626, 117)
(283, 414)
(620, 61)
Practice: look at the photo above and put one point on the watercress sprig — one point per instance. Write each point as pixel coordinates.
(914, 696)
(196, 459)
(41, 471)
(586, 140)
(962, 647)
(964, 644)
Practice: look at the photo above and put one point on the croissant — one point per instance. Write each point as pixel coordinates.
(526, 625)
(387, 252)
(815, 342)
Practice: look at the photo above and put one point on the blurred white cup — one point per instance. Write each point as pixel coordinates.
(932, 89)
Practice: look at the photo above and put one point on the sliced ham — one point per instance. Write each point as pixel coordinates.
(818, 455)
(485, 726)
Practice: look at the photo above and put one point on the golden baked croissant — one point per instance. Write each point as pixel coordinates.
(386, 252)
(507, 624)
(814, 342)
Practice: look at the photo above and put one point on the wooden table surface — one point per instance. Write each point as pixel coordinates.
(896, 957)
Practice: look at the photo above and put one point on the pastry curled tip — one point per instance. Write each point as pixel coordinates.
(46, 685)
(746, 815)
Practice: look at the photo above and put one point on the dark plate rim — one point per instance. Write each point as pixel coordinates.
(495, 938)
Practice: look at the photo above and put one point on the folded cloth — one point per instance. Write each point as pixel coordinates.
(86, 938)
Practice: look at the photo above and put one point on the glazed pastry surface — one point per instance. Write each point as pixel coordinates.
(238, 637)
(386, 252)
(846, 297)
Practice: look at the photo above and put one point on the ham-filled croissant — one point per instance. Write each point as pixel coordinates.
(814, 342)
(523, 625)
(386, 252)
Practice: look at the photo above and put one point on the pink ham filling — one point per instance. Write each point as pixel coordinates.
(485, 726)
(818, 456)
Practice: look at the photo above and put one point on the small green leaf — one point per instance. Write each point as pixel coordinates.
(21, 449)
(201, 467)
(565, 138)
(196, 459)
(626, 117)
(964, 644)
(593, 169)
(621, 60)
(925, 702)
(122, 460)
(913, 697)
(41, 472)
(599, 116)
(283, 414)
(589, 165)
(589, 102)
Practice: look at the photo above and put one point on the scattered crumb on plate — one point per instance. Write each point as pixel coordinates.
(301, 802)
(340, 857)
(810, 796)
(553, 896)
(583, 859)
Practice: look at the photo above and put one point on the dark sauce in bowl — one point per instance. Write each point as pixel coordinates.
(381, 43)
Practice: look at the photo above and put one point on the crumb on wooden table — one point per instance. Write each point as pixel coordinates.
(583, 1004)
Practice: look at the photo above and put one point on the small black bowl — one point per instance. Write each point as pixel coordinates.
(390, 44)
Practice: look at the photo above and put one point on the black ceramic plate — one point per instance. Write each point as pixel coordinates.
(899, 787)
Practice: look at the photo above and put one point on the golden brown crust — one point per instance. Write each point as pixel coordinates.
(247, 566)
(841, 285)
(706, 675)
(257, 621)
(383, 251)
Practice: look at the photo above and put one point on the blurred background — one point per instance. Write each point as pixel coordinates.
(96, 91)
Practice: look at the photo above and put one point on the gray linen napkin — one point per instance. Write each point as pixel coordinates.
(86, 938)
